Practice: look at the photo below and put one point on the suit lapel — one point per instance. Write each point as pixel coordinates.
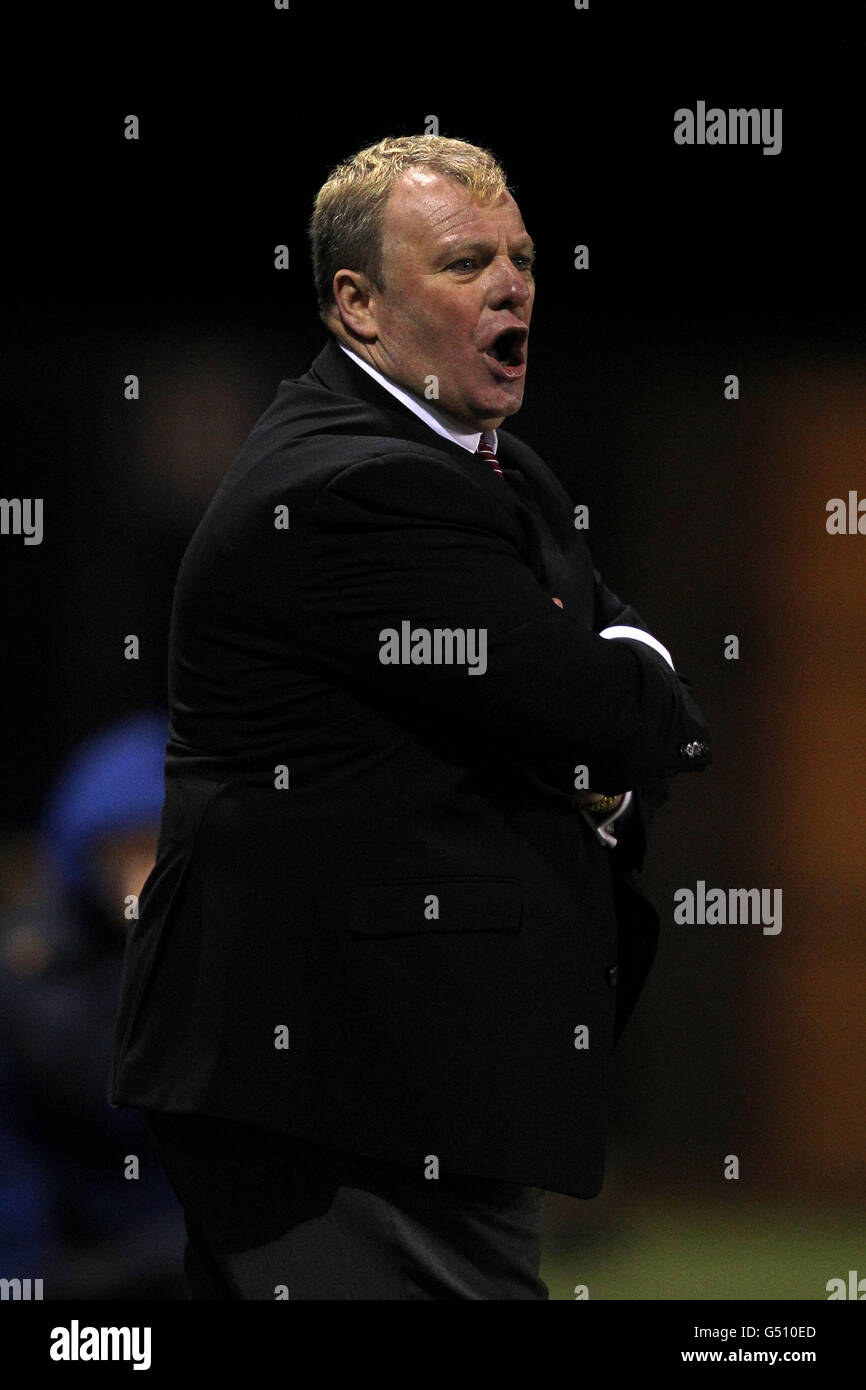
(335, 370)
(332, 368)
(544, 552)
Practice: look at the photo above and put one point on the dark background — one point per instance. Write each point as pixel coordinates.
(156, 257)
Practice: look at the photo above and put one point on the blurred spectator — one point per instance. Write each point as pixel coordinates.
(68, 1213)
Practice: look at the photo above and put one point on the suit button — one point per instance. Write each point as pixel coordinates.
(612, 974)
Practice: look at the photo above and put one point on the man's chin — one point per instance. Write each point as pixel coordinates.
(507, 404)
(488, 410)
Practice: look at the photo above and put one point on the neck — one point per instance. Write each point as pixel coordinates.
(460, 424)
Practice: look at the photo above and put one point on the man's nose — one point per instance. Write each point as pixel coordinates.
(509, 286)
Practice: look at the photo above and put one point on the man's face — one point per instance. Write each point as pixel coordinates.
(458, 274)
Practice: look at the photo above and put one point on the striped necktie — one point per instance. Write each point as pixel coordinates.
(489, 457)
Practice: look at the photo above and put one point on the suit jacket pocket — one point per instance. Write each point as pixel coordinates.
(423, 906)
(161, 900)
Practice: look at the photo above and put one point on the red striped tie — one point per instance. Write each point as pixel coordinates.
(489, 457)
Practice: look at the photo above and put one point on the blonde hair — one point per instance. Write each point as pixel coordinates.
(346, 226)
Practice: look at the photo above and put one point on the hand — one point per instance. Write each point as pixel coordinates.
(590, 799)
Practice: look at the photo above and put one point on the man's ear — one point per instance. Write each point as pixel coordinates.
(355, 304)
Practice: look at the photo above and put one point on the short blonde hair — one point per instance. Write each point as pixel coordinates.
(346, 226)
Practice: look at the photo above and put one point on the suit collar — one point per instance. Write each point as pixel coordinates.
(425, 410)
(337, 371)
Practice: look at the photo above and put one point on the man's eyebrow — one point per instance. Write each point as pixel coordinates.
(449, 245)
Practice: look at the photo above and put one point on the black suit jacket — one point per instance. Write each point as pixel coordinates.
(382, 866)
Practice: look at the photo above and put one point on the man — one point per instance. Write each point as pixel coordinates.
(393, 930)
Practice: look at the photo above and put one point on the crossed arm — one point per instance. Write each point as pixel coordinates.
(395, 538)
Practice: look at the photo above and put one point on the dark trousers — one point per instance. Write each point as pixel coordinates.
(269, 1216)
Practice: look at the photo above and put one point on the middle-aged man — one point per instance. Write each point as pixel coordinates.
(393, 930)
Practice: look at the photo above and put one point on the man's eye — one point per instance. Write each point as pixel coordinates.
(471, 262)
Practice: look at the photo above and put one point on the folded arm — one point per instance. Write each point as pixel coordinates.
(397, 539)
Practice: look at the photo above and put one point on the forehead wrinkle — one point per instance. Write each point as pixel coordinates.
(458, 225)
(434, 213)
(463, 227)
(439, 218)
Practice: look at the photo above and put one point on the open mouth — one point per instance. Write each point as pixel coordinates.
(509, 348)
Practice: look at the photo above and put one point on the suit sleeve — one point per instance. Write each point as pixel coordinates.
(650, 794)
(610, 611)
(402, 540)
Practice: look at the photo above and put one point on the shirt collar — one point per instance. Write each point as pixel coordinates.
(434, 418)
